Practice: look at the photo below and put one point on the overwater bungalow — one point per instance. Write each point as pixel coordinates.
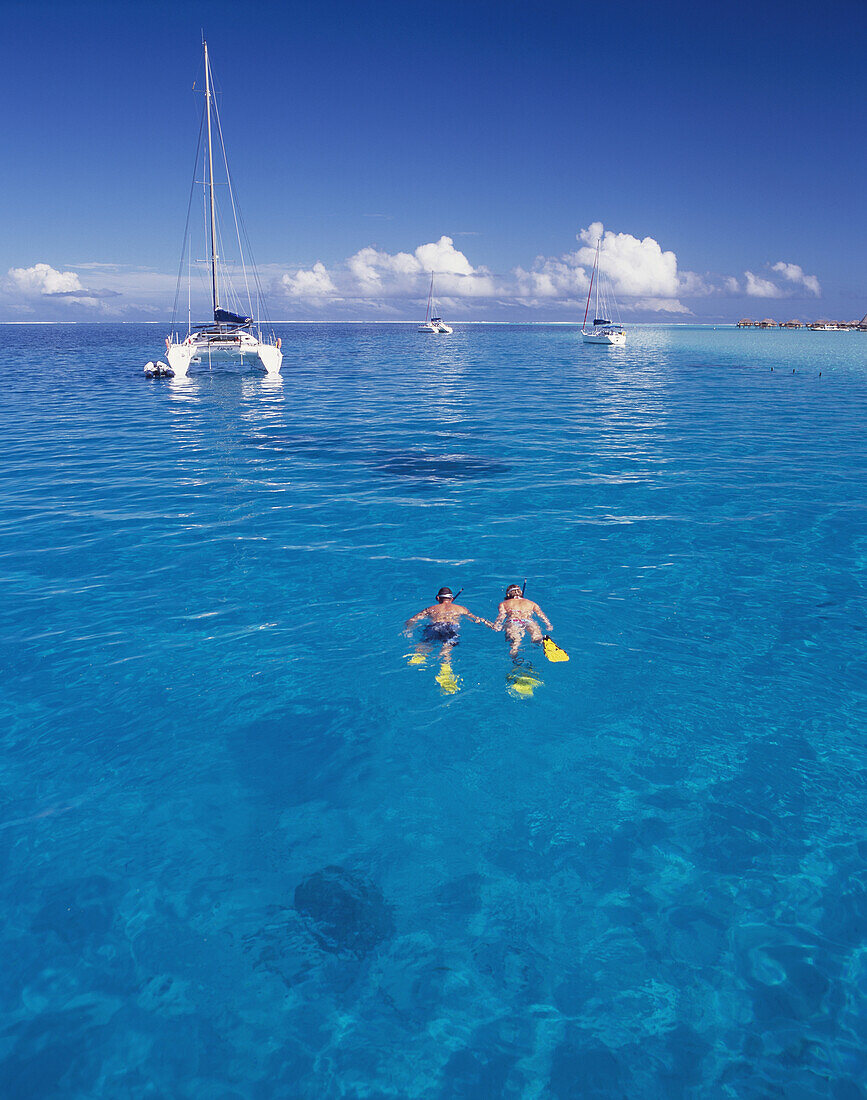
(862, 324)
(745, 322)
(767, 323)
(791, 324)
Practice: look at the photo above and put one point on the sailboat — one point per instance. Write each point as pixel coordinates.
(435, 325)
(602, 331)
(234, 335)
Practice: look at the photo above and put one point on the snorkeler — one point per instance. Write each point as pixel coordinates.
(444, 626)
(517, 615)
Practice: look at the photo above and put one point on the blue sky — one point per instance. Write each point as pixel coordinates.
(710, 140)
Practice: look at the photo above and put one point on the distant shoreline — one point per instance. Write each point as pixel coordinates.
(522, 324)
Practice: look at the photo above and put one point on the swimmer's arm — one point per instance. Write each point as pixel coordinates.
(501, 618)
(410, 624)
(476, 619)
(542, 616)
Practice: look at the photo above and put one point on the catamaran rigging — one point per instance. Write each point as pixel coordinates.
(602, 331)
(234, 334)
(435, 325)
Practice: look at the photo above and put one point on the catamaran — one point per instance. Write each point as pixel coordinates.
(602, 331)
(235, 334)
(435, 325)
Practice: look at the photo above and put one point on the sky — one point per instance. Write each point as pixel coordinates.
(716, 149)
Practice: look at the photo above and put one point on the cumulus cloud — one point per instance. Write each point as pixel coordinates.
(795, 282)
(640, 273)
(61, 293)
(636, 268)
(643, 276)
(374, 274)
(552, 279)
(757, 287)
(44, 281)
(662, 305)
(315, 283)
(795, 274)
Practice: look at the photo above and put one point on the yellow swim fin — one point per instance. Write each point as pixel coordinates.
(522, 682)
(447, 680)
(418, 659)
(552, 651)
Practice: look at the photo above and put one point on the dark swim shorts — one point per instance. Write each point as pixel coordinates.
(440, 632)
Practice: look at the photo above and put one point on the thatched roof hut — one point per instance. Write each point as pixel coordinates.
(745, 322)
(767, 323)
(791, 324)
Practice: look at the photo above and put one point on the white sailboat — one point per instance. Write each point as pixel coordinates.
(602, 331)
(235, 334)
(434, 325)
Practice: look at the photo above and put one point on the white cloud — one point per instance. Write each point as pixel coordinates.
(662, 305)
(442, 257)
(42, 279)
(641, 275)
(315, 283)
(635, 267)
(372, 273)
(56, 293)
(646, 279)
(552, 278)
(795, 274)
(757, 287)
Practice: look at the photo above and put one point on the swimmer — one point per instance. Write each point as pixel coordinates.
(517, 615)
(444, 626)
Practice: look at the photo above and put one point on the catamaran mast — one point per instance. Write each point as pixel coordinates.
(590, 288)
(211, 182)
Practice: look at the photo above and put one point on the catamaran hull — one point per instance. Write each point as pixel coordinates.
(616, 338)
(182, 356)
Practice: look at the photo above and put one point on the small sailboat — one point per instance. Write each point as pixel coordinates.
(602, 331)
(235, 333)
(434, 325)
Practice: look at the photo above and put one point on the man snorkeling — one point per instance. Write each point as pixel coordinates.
(516, 615)
(444, 626)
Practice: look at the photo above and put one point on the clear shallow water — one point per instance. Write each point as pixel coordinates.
(646, 880)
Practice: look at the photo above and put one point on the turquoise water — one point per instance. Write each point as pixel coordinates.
(247, 851)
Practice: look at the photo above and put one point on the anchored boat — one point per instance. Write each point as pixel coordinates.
(235, 333)
(434, 325)
(602, 331)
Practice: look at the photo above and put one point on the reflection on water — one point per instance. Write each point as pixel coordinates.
(248, 849)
